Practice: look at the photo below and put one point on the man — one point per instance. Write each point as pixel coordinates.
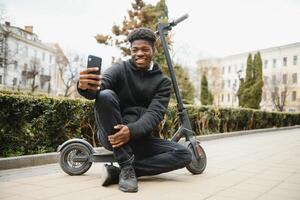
(131, 99)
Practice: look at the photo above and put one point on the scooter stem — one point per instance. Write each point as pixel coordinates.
(185, 128)
(181, 109)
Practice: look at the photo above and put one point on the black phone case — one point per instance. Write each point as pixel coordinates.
(94, 61)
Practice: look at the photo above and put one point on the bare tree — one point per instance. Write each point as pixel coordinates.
(2, 13)
(69, 70)
(279, 99)
(32, 73)
(8, 55)
(278, 88)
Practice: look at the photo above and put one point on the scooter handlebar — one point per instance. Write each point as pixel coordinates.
(180, 19)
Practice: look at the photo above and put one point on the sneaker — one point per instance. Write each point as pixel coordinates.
(127, 180)
(110, 175)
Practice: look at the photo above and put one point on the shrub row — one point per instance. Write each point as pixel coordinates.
(37, 124)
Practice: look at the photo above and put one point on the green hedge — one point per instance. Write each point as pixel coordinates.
(36, 124)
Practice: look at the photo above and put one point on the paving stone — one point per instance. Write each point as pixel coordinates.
(238, 168)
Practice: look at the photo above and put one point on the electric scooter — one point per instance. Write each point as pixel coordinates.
(77, 155)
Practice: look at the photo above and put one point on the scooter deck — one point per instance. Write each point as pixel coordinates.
(103, 157)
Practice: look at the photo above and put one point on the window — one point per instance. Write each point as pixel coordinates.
(43, 56)
(1, 45)
(35, 53)
(228, 97)
(292, 110)
(214, 83)
(222, 97)
(16, 65)
(223, 84)
(25, 67)
(26, 51)
(0, 79)
(266, 64)
(229, 83)
(295, 60)
(17, 47)
(223, 70)
(284, 61)
(42, 84)
(229, 69)
(274, 79)
(24, 81)
(283, 95)
(274, 62)
(284, 79)
(294, 96)
(50, 59)
(294, 77)
(266, 80)
(274, 93)
(15, 81)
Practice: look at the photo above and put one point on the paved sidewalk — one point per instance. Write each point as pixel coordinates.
(258, 166)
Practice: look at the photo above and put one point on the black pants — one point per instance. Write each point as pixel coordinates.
(149, 155)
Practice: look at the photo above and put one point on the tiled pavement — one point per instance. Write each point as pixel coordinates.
(258, 166)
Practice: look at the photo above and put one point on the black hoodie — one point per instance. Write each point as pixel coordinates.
(144, 94)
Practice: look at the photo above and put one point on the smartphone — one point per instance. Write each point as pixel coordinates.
(94, 61)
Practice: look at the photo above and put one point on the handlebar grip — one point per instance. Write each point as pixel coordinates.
(180, 19)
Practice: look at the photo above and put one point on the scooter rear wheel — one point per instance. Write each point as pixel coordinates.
(69, 153)
(197, 166)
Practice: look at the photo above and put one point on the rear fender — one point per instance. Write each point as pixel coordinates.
(75, 140)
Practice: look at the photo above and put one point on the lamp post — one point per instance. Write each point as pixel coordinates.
(234, 93)
(239, 74)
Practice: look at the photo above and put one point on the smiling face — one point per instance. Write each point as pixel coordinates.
(141, 53)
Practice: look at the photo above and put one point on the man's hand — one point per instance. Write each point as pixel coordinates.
(121, 137)
(89, 81)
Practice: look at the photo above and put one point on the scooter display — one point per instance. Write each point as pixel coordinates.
(77, 155)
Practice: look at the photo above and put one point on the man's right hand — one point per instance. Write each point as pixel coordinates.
(88, 81)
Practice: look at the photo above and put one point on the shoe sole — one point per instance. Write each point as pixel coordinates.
(104, 176)
(128, 190)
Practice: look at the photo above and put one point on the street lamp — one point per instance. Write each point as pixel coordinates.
(239, 73)
(235, 84)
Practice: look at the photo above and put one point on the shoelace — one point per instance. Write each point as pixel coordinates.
(129, 173)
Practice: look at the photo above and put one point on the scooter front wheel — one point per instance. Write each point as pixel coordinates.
(197, 166)
(74, 159)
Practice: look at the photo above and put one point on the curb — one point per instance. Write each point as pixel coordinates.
(28, 160)
(49, 158)
(215, 136)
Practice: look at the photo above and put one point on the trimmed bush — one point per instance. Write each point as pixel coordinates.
(38, 124)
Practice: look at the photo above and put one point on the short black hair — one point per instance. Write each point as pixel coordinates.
(142, 34)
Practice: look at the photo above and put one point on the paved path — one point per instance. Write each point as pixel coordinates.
(257, 166)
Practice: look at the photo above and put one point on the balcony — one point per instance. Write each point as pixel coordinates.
(27, 74)
(45, 78)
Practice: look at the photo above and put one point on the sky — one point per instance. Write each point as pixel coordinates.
(215, 28)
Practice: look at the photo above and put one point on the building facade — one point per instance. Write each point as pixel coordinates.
(26, 63)
(281, 72)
